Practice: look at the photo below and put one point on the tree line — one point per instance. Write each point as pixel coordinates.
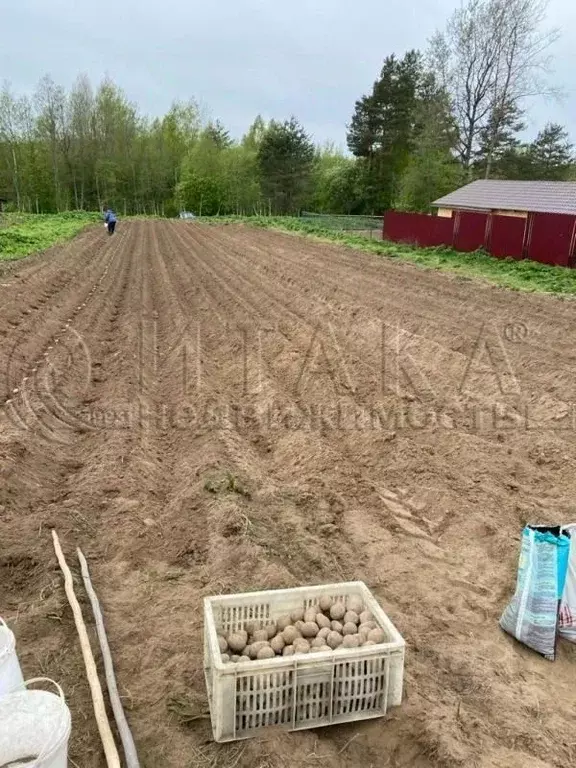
(432, 121)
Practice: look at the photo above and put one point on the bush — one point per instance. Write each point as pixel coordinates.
(23, 234)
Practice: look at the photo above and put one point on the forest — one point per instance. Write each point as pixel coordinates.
(431, 121)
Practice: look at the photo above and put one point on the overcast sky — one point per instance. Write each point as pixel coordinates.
(238, 58)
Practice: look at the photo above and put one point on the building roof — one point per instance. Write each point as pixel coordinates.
(532, 196)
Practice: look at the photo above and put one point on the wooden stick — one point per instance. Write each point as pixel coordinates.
(112, 757)
(123, 727)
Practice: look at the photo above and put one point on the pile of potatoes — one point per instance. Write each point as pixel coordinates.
(332, 625)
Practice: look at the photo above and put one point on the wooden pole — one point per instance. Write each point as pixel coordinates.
(112, 757)
(121, 722)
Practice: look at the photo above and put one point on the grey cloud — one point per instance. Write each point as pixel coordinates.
(310, 59)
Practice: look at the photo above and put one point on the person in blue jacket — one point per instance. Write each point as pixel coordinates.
(110, 219)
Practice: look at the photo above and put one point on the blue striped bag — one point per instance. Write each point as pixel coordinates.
(532, 614)
(567, 619)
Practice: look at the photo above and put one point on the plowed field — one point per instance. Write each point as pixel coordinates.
(207, 410)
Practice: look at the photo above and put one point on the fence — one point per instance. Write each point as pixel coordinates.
(371, 226)
(549, 238)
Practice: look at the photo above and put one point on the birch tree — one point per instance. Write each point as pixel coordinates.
(492, 57)
(10, 135)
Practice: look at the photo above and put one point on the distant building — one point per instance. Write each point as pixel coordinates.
(511, 198)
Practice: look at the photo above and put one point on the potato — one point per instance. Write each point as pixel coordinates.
(377, 636)
(363, 634)
(225, 658)
(322, 621)
(288, 650)
(259, 635)
(320, 649)
(368, 625)
(236, 642)
(256, 647)
(222, 644)
(299, 625)
(310, 629)
(334, 639)
(235, 659)
(310, 614)
(351, 641)
(368, 642)
(265, 653)
(297, 615)
(277, 644)
(242, 633)
(271, 629)
(283, 622)
(246, 652)
(324, 632)
(355, 604)
(290, 634)
(352, 617)
(337, 626)
(337, 611)
(301, 645)
(366, 616)
(252, 626)
(325, 603)
(349, 629)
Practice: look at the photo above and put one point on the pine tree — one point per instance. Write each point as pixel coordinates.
(219, 135)
(433, 169)
(285, 158)
(550, 155)
(382, 130)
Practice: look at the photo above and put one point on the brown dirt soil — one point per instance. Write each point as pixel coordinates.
(379, 422)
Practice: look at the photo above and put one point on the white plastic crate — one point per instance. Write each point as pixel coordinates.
(304, 690)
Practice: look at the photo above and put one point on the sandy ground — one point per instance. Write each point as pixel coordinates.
(213, 410)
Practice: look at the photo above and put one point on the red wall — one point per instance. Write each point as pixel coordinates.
(551, 238)
(418, 228)
(507, 236)
(546, 237)
(470, 231)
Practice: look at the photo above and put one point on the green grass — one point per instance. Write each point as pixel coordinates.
(23, 234)
(522, 275)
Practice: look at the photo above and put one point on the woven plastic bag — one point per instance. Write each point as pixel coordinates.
(532, 614)
(567, 617)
